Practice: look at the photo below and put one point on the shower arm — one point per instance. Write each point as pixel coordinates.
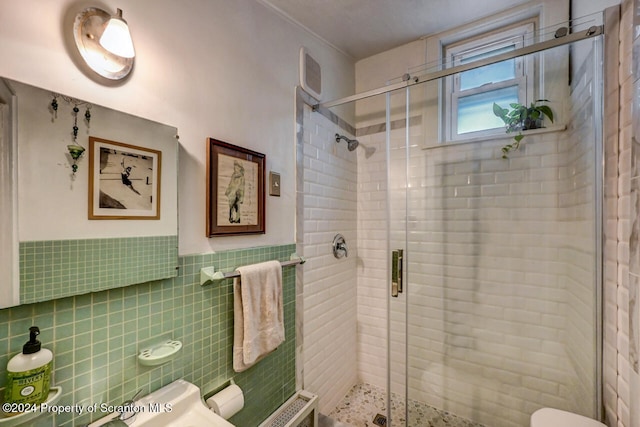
(347, 140)
(408, 81)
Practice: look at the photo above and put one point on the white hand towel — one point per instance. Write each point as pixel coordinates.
(258, 315)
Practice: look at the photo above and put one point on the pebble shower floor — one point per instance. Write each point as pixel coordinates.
(364, 401)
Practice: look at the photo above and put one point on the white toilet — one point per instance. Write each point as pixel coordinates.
(548, 417)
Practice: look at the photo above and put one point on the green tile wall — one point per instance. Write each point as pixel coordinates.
(95, 339)
(72, 267)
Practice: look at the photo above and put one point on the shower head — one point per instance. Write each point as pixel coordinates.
(351, 143)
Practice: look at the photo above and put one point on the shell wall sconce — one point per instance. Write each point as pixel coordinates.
(104, 43)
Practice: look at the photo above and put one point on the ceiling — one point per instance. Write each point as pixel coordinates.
(362, 28)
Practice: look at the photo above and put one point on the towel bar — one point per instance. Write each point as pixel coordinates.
(209, 274)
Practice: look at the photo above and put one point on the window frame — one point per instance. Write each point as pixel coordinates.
(517, 35)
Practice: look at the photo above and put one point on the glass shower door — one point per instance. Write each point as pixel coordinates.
(397, 139)
(498, 312)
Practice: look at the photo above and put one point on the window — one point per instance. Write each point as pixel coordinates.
(469, 96)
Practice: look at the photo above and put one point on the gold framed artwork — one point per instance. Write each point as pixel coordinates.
(235, 190)
(124, 180)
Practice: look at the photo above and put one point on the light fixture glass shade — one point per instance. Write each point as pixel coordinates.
(88, 27)
(116, 37)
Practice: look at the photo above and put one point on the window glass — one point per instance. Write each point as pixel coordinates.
(475, 112)
(493, 73)
(469, 95)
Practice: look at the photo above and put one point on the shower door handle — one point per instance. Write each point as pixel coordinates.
(396, 272)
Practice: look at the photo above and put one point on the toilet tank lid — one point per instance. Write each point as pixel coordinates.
(177, 391)
(548, 417)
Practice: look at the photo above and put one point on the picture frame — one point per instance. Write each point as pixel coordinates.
(235, 190)
(124, 181)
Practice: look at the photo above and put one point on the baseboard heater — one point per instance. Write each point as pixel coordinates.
(300, 410)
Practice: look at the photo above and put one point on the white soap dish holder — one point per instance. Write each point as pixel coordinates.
(159, 354)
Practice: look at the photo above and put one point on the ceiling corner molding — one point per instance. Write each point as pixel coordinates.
(298, 24)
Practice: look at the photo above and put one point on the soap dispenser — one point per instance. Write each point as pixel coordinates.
(29, 373)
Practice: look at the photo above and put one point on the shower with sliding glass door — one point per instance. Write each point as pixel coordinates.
(471, 291)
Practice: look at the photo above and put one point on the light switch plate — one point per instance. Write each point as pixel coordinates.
(274, 184)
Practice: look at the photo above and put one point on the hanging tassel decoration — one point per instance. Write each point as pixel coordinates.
(54, 107)
(75, 150)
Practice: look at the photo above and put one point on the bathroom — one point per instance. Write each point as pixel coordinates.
(229, 71)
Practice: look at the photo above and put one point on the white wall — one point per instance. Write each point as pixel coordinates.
(584, 10)
(580, 8)
(222, 69)
(329, 297)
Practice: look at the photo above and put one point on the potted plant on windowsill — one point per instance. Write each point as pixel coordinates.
(520, 118)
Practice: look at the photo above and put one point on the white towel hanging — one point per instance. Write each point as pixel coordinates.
(258, 319)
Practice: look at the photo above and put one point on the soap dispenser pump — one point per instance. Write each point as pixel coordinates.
(29, 372)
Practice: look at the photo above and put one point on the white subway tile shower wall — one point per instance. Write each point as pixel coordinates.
(610, 293)
(629, 136)
(624, 398)
(372, 264)
(329, 284)
(490, 277)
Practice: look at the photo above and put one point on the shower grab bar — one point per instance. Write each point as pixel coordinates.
(209, 274)
(593, 31)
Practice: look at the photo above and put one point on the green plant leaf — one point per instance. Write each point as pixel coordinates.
(519, 117)
(546, 111)
(500, 112)
(523, 114)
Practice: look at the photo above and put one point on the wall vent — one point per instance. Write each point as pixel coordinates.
(299, 411)
(310, 74)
